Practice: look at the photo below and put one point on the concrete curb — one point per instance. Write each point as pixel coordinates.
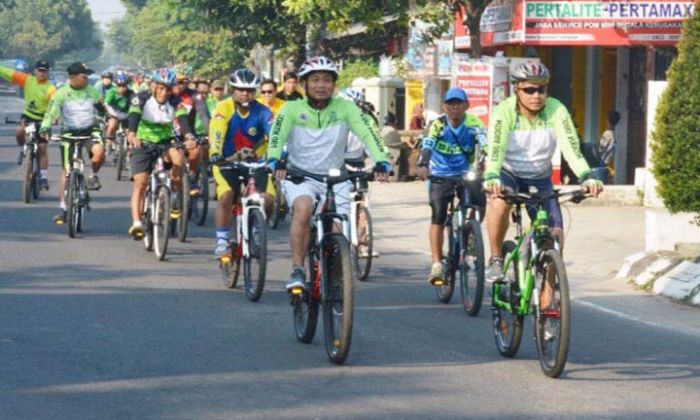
(671, 274)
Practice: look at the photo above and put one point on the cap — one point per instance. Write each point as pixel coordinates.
(42, 65)
(79, 68)
(218, 84)
(455, 93)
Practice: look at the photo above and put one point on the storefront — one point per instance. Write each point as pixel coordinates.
(600, 53)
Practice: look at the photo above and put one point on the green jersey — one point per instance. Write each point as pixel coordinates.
(36, 94)
(76, 107)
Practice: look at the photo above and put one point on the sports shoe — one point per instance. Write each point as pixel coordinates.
(175, 207)
(61, 217)
(137, 231)
(437, 274)
(93, 182)
(495, 269)
(296, 279)
(44, 184)
(221, 249)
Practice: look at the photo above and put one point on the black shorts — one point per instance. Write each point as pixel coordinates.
(236, 179)
(25, 120)
(66, 150)
(443, 190)
(144, 158)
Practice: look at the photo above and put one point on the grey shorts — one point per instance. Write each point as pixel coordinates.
(314, 189)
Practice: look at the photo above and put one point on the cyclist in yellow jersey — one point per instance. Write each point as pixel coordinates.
(268, 88)
(38, 91)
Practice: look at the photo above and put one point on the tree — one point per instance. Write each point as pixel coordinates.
(356, 69)
(676, 138)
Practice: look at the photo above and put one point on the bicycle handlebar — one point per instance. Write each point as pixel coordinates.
(515, 197)
(64, 137)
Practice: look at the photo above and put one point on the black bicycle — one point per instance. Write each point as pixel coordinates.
(121, 155)
(155, 214)
(76, 194)
(329, 280)
(199, 201)
(280, 208)
(31, 171)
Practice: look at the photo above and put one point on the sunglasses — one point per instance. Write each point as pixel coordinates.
(531, 90)
(265, 92)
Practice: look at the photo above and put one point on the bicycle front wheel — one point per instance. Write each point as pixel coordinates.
(147, 220)
(471, 267)
(185, 197)
(337, 297)
(306, 305)
(363, 264)
(73, 207)
(507, 324)
(36, 176)
(553, 321)
(449, 255)
(121, 155)
(255, 264)
(200, 203)
(28, 169)
(161, 221)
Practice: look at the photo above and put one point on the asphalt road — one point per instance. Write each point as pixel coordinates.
(95, 327)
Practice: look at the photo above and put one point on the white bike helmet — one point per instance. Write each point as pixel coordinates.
(529, 71)
(351, 94)
(316, 64)
(244, 79)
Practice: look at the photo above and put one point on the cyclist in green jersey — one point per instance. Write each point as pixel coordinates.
(105, 84)
(38, 91)
(77, 103)
(117, 102)
(523, 135)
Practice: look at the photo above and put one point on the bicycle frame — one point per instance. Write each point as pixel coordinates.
(250, 199)
(357, 198)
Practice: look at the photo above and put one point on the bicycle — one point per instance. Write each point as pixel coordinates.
(76, 194)
(280, 208)
(361, 239)
(329, 280)
(249, 244)
(122, 152)
(463, 246)
(533, 259)
(155, 215)
(30, 169)
(199, 203)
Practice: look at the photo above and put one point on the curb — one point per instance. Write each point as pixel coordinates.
(671, 274)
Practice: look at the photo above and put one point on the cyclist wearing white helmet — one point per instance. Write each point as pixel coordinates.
(117, 102)
(315, 131)
(524, 132)
(239, 128)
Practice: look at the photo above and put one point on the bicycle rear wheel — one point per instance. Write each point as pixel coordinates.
(161, 221)
(73, 208)
(471, 267)
(147, 220)
(121, 155)
(36, 176)
(255, 265)
(363, 265)
(507, 324)
(553, 323)
(449, 256)
(337, 297)
(183, 221)
(200, 203)
(306, 305)
(276, 215)
(28, 170)
(82, 202)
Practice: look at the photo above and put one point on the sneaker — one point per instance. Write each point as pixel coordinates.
(495, 270)
(137, 231)
(175, 208)
(436, 277)
(44, 184)
(61, 217)
(296, 279)
(221, 249)
(93, 182)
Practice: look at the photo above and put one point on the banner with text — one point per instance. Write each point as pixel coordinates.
(501, 23)
(476, 78)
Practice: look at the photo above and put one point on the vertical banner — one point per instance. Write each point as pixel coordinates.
(476, 78)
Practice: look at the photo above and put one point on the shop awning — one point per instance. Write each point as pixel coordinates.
(584, 23)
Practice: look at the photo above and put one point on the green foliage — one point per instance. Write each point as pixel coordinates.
(676, 138)
(355, 69)
(49, 29)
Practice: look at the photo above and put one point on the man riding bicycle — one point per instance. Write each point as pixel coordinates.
(151, 117)
(77, 103)
(105, 84)
(446, 153)
(525, 131)
(315, 130)
(117, 102)
(38, 91)
(238, 130)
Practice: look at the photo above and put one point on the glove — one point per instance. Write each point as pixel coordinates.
(273, 164)
(382, 167)
(216, 158)
(492, 182)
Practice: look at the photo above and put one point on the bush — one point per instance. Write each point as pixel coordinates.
(356, 69)
(676, 138)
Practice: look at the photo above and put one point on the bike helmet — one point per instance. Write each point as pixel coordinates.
(316, 64)
(529, 71)
(164, 76)
(352, 94)
(107, 73)
(244, 79)
(122, 78)
(183, 72)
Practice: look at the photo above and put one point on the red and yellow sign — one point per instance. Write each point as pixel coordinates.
(476, 78)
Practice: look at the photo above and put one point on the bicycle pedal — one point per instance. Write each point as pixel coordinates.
(296, 291)
(437, 282)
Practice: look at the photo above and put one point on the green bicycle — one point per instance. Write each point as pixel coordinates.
(533, 272)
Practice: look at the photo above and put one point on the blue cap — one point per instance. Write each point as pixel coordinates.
(455, 93)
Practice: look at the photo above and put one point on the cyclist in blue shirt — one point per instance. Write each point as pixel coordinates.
(446, 153)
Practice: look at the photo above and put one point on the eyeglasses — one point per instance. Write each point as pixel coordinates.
(267, 92)
(531, 90)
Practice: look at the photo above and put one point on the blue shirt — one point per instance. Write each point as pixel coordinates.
(452, 148)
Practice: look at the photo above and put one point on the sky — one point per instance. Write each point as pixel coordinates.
(105, 10)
